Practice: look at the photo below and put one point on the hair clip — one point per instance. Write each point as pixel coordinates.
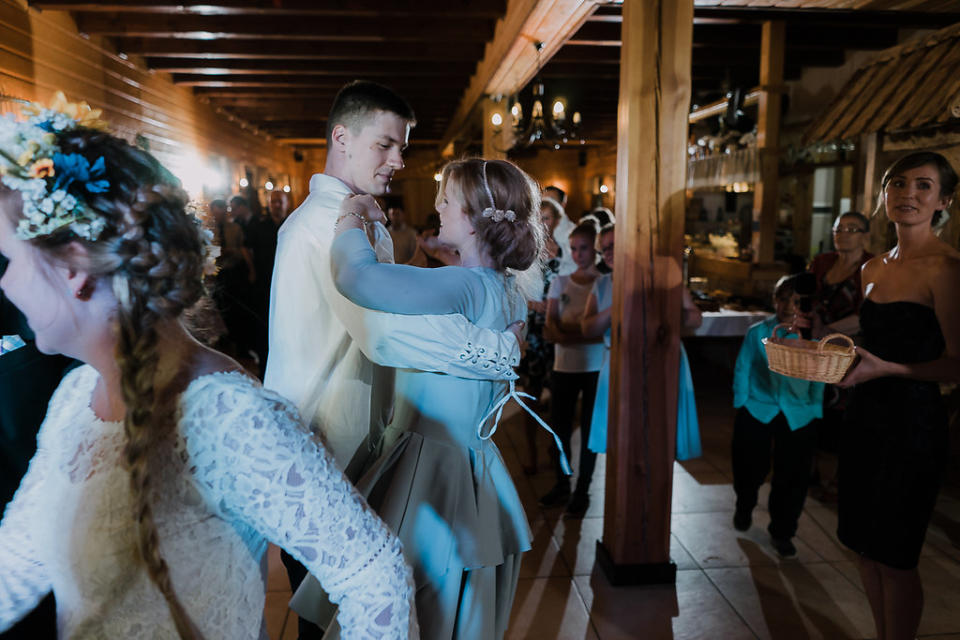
(499, 214)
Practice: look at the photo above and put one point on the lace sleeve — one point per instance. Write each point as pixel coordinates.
(255, 462)
(23, 577)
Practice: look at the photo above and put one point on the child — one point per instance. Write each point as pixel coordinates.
(773, 409)
(576, 366)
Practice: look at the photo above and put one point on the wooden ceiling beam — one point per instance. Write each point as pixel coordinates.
(297, 67)
(404, 86)
(510, 59)
(253, 49)
(346, 29)
(858, 18)
(491, 9)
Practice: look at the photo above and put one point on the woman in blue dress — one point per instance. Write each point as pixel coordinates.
(442, 484)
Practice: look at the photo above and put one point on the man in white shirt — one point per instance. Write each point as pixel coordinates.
(329, 356)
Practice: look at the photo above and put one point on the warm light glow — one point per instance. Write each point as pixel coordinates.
(604, 188)
(517, 112)
(559, 110)
(244, 183)
(438, 176)
(268, 185)
(196, 175)
(496, 119)
(537, 110)
(286, 188)
(576, 117)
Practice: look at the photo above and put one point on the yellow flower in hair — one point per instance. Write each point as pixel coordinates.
(80, 112)
(41, 169)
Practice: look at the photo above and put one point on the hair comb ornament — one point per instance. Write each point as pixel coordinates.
(33, 164)
(492, 211)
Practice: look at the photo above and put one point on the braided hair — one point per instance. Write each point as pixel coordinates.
(151, 254)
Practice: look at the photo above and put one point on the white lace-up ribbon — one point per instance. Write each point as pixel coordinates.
(498, 410)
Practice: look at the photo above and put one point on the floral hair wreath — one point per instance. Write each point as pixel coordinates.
(33, 164)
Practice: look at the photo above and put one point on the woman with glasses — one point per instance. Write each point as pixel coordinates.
(837, 310)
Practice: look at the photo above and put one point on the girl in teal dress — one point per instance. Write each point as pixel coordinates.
(442, 484)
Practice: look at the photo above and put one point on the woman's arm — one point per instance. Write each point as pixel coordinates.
(594, 322)
(255, 462)
(398, 288)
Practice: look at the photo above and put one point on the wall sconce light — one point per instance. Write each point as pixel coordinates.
(268, 185)
(244, 183)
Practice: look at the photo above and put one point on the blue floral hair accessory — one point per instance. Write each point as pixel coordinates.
(33, 164)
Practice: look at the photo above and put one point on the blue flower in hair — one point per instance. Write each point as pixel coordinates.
(73, 167)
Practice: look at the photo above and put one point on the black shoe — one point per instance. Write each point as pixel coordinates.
(742, 520)
(578, 505)
(784, 547)
(556, 497)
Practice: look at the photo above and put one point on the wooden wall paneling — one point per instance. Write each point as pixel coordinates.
(41, 53)
(651, 172)
(766, 201)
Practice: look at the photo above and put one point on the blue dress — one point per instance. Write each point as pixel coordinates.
(603, 292)
(441, 484)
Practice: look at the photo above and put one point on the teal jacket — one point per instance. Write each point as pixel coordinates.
(765, 393)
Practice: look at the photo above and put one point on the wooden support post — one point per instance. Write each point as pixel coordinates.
(650, 200)
(497, 139)
(766, 202)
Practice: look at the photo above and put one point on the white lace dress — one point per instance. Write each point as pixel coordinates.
(242, 471)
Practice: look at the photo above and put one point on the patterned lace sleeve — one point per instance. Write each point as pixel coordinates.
(255, 462)
(23, 577)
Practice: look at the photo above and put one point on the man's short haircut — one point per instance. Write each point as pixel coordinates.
(240, 201)
(219, 203)
(560, 192)
(360, 100)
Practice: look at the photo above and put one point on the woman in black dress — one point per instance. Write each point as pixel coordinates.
(895, 442)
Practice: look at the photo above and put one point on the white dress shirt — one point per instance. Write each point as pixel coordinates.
(332, 358)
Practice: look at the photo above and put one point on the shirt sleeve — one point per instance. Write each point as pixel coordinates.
(399, 288)
(741, 371)
(556, 288)
(24, 579)
(256, 463)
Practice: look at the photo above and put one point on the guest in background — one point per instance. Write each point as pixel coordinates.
(278, 207)
(773, 410)
(596, 323)
(537, 359)
(260, 240)
(430, 252)
(837, 310)
(403, 235)
(235, 276)
(576, 367)
(601, 217)
(562, 229)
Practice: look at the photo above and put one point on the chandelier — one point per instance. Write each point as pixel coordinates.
(553, 127)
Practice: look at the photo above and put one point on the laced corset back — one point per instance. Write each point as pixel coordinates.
(241, 471)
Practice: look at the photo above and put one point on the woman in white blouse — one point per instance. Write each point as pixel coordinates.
(162, 470)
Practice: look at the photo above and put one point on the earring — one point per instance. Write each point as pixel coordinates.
(85, 290)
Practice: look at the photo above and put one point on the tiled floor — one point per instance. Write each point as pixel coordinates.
(730, 585)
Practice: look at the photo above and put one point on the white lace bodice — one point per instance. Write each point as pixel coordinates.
(242, 472)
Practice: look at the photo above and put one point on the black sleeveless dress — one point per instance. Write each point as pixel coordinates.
(894, 445)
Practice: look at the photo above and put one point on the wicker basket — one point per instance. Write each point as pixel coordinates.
(809, 359)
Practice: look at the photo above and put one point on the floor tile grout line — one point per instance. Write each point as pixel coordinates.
(730, 604)
(593, 625)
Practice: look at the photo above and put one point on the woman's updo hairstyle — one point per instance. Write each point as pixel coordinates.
(150, 252)
(512, 244)
(947, 174)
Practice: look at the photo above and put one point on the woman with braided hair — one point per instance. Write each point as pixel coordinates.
(162, 469)
(442, 484)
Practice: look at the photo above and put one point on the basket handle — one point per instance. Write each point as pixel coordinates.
(824, 340)
(783, 325)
